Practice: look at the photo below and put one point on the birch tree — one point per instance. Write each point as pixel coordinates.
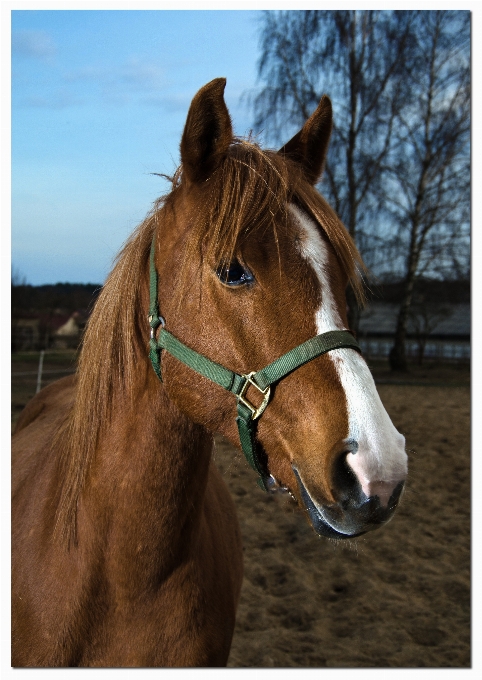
(357, 57)
(427, 188)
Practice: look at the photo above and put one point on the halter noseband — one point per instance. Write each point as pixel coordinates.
(262, 380)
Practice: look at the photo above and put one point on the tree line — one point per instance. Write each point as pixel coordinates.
(28, 300)
(398, 168)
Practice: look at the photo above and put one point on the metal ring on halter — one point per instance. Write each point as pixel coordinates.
(162, 323)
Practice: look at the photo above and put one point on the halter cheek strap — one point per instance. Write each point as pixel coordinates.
(248, 413)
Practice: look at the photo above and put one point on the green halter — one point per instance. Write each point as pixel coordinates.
(233, 382)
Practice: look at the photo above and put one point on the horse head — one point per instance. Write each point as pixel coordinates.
(252, 263)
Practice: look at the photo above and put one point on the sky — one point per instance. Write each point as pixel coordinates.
(99, 101)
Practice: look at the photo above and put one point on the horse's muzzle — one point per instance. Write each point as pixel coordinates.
(352, 514)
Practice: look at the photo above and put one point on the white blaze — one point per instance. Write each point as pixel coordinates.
(380, 460)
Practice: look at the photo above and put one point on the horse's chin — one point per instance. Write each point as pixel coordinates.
(367, 516)
(320, 525)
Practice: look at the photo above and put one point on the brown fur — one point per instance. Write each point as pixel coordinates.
(126, 548)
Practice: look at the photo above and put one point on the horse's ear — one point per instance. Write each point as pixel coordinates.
(207, 133)
(310, 144)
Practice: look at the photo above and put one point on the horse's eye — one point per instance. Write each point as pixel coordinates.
(234, 274)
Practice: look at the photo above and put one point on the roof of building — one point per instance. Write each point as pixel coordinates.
(446, 320)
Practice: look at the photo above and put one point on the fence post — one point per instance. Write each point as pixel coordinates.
(40, 366)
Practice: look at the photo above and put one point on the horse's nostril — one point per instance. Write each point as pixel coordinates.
(346, 486)
(386, 491)
(350, 491)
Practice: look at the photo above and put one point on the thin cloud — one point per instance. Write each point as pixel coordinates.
(56, 100)
(142, 75)
(120, 82)
(170, 103)
(132, 81)
(33, 44)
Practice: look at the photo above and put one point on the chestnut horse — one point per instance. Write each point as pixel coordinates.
(126, 546)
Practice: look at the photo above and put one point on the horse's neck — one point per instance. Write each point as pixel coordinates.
(149, 476)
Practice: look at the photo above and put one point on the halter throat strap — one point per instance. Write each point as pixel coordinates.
(247, 413)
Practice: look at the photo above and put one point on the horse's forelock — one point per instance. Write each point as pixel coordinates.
(248, 192)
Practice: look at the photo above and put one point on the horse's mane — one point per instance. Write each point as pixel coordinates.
(249, 191)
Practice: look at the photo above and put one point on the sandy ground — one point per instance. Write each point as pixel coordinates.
(399, 597)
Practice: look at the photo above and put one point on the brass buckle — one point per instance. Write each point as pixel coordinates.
(255, 412)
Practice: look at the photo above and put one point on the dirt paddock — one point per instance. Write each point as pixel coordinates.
(399, 597)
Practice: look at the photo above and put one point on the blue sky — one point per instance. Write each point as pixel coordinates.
(99, 100)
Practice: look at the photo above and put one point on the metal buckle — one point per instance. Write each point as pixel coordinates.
(255, 412)
(162, 323)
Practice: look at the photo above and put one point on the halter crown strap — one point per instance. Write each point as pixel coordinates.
(234, 382)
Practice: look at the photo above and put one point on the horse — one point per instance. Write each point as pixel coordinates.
(225, 312)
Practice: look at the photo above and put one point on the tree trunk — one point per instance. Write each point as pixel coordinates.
(421, 350)
(353, 309)
(397, 356)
